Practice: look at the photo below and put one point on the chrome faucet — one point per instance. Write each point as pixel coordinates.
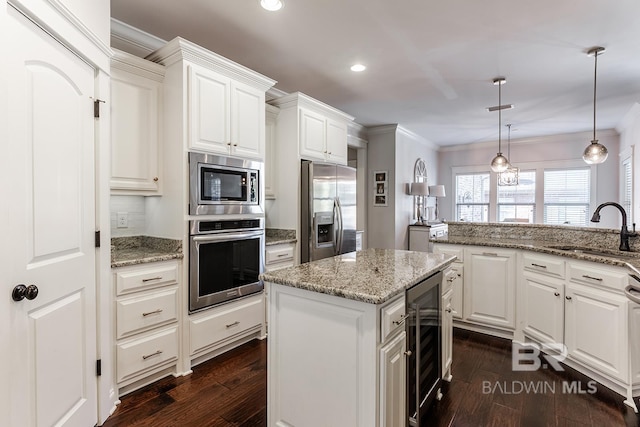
(624, 232)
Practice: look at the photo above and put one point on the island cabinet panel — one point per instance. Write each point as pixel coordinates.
(322, 359)
(393, 372)
(541, 308)
(489, 293)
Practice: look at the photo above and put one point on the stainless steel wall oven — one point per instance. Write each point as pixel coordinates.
(225, 259)
(423, 327)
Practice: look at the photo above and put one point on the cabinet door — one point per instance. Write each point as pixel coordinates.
(447, 335)
(489, 293)
(458, 288)
(312, 135)
(208, 115)
(393, 382)
(270, 160)
(336, 142)
(596, 329)
(135, 132)
(542, 308)
(247, 121)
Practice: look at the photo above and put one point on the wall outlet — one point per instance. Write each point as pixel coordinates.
(123, 219)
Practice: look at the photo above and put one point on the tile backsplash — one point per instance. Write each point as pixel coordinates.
(134, 206)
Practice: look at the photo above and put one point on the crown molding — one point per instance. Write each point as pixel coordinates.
(299, 99)
(134, 64)
(136, 38)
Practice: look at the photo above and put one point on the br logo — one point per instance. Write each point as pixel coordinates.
(533, 356)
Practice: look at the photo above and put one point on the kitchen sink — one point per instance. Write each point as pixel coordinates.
(591, 251)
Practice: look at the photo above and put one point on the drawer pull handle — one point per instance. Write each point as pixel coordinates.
(149, 313)
(451, 279)
(399, 322)
(145, 357)
(568, 298)
(592, 278)
(489, 254)
(281, 255)
(538, 265)
(230, 325)
(152, 278)
(557, 294)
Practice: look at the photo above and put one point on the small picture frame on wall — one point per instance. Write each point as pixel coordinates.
(380, 188)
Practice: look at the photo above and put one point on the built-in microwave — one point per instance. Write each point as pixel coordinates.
(224, 185)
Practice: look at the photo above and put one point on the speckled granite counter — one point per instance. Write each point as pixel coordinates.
(371, 276)
(548, 239)
(276, 236)
(142, 249)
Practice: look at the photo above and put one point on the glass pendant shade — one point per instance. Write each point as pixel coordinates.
(509, 176)
(499, 163)
(595, 153)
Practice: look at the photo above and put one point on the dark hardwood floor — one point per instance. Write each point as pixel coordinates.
(230, 390)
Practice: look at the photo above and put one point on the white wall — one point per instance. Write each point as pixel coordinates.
(395, 150)
(549, 148)
(134, 206)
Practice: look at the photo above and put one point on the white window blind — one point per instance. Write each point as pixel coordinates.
(517, 203)
(567, 195)
(472, 197)
(627, 187)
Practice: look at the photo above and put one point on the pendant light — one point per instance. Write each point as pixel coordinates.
(595, 152)
(499, 162)
(509, 176)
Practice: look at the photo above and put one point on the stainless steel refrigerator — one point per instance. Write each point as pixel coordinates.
(328, 214)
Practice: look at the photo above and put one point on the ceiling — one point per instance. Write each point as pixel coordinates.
(430, 64)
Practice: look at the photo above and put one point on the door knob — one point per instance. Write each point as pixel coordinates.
(21, 292)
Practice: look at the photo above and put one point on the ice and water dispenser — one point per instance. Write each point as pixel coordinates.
(324, 229)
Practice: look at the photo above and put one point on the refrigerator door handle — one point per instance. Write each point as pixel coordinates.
(336, 229)
(340, 226)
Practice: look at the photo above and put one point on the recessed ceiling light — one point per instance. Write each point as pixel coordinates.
(358, 67)
(272, 5)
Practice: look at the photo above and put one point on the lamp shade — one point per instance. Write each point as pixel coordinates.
(437, 190)
(419, 189)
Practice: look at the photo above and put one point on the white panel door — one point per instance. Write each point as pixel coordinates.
(489, 288)
(209, 110)
(337, 142)
(51, 226)
(247, 121)
(542, 308)
(313, 139)
(393, 382)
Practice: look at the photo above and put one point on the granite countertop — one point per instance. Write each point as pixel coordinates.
(614, 257)
(372, 276)
(276, 236)
(143, 249)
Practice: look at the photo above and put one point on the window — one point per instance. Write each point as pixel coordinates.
(626, 186)
(472, 197)
(517, 203)
(567, 196)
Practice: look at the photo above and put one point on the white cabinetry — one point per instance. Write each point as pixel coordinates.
(419, 236)
(317, 130)
(136, 135)
(490, 287)
(225, 116)
(147, 326)
(270, 158)
(216, 329)
(393, 368)
(458, 281)
(279, 256)
(450, 277)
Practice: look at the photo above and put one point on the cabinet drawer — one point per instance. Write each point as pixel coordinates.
(135, 314)
(279, 254)
(146, 352)
(552, 266)
(391, 318)
(449, 250)
(225, 321)
(449, 277)
(592, 274)
(145, 277)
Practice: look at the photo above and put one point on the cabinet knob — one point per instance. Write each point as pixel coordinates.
(568, 297)
(557, 294)
(229, 144)
(408, 353)
(235, 145)
(449, 310)
(155, 179)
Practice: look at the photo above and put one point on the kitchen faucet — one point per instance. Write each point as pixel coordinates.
(624, 232)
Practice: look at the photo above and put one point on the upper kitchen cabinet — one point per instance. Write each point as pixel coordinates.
(319, 130)
(270, 159)
(220, 103)
(136, 134)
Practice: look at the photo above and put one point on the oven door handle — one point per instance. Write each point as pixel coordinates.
(227, 236)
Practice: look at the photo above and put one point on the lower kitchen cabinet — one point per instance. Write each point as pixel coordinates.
(147, 326)
(541, 311)
(216, 330)
(393, 373)
(447, 334)
(490, 287)
(279, 256)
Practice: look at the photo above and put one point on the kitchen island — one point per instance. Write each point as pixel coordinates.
(336, 337)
